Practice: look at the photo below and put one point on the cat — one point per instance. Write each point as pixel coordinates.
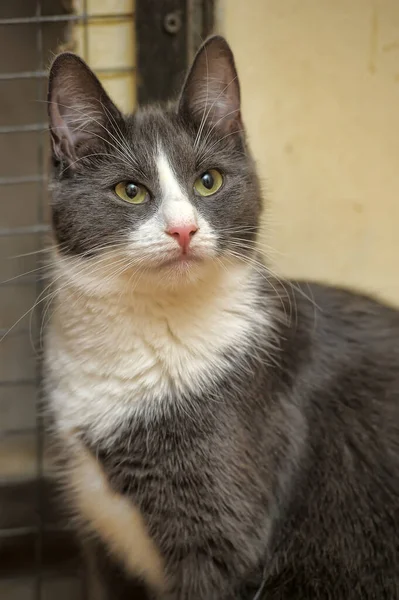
(223, 435)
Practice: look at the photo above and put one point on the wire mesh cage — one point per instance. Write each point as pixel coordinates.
(38, 557)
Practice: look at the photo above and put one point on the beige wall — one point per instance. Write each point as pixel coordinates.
(320, 84)
(108, 44)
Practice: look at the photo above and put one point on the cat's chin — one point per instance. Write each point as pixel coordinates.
(178, 273)
(181, 271)
(182, 262)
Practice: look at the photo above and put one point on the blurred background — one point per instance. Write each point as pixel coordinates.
(320, 87)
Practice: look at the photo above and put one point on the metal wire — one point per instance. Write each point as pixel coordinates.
(39, 228)
(13, 382)
(17, 179)
(39, 288)
(84, 17)
(24, 236)
(41, 74)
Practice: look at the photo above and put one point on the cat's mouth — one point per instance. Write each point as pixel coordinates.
(182, 260)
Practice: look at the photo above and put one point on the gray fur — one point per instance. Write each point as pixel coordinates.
(292, 471)
(87, 213)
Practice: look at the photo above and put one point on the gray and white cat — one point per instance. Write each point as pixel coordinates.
(222, 436)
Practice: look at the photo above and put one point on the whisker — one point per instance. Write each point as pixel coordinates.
(209, 133)
(261, 270)
(213, 104)
(41, 268)
(208, 150)
(119, 149)
(206, 100)
(47, 249)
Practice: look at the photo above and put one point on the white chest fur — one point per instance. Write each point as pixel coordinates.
(110, 356)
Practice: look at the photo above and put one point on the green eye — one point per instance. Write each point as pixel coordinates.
(132, 192)
(210, 182)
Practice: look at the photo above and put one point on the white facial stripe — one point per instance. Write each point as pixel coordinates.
(176, 208)
(167, 178)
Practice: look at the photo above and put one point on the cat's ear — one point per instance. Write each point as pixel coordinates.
(79, 108)
(211, 92)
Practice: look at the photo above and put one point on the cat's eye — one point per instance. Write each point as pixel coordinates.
(209, 182)
(132, 192)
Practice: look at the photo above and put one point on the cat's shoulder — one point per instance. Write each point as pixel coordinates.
(343, 305)
(348, 326)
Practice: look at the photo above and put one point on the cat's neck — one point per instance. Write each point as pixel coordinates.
(140, 349)
(219, 286)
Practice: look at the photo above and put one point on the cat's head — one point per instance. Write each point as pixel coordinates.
(167, 193)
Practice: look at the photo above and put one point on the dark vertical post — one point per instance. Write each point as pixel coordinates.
(163, 39)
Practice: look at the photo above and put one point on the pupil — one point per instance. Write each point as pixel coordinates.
(131, 190)
(207, 181)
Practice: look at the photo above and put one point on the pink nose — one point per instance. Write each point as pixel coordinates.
(182, 234)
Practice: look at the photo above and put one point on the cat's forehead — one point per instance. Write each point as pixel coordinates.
(156, 131)
(152, 129)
